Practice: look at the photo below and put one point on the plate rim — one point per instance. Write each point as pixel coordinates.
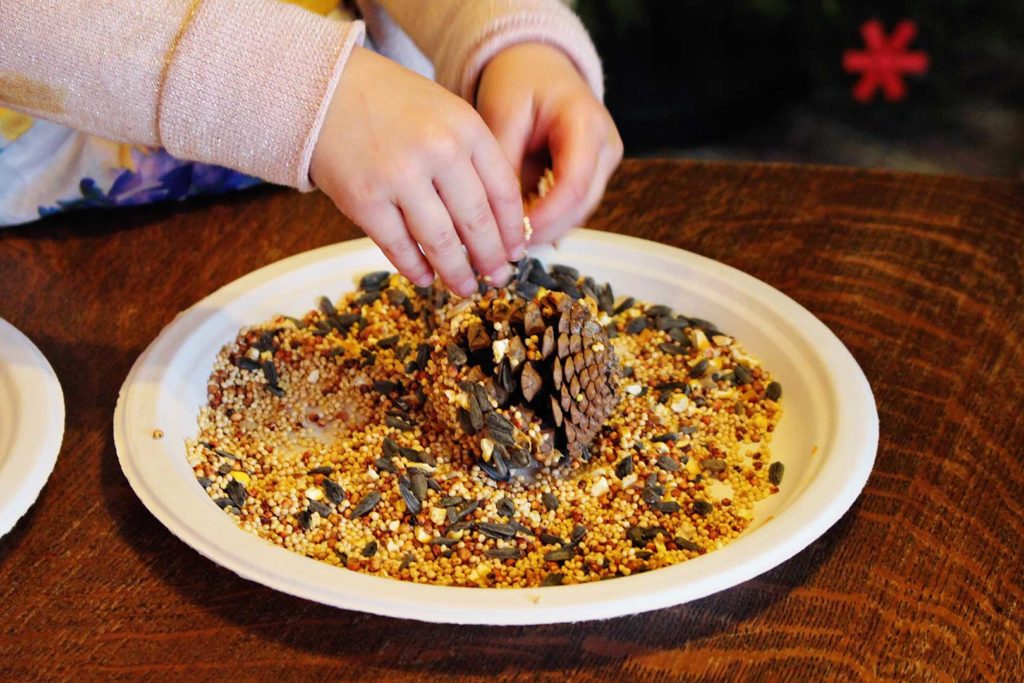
(542, 602)
(38, 431)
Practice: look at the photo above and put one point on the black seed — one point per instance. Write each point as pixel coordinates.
(559, 555)
(684, 544)
(451, 501)
(505, 507)
(741, 376)
(624, 467)
(367, 298)
(605, 298)
(498, 422)
(553, 579)
(468, 509)
(521, 528)
(304, 519)
(635, 535)
(456, 354)
(568, 285)
(702, 507)
(223, 502)
(527, 290)
(667, 436)
(326, 469)
(503, 553)
(495, 530)
(774, 391)
(644, 554)
(274, 389)
(319, 508)
(422, 356)
(236, 492)
(299, 324)
(671, 323)
(365, 504)
(626, 304)
(344, 321)
(370, 549)
(520, 456)
(398, 423)
(496, 469)
(410, 499)
(204, 482)
(427, 459)
(386, 465)
(713, 465)
(658, 311)
(550, 539)
(451, 515)
(388, 342)
(668, 506)
(678, 334)
(402, 350)
(333, 491)
(627, 371)
(636, 325)
(700, 369)
(673, 349)
(226, 468)
(385, 387)
(550, 500)
(247, 363)
(442, 540)
(406, 561)
(578, 532)
(775, 472)
(667, 463)
(653, 483)
(650, 495)
(670, 386)
(562, 269)
(710, 329)
(418, 484)
(374, 281)
(390, 449)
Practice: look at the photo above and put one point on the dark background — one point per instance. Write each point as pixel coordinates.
(763, 79)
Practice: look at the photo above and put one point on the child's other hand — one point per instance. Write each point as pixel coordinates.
(538, 105)
(417, 169)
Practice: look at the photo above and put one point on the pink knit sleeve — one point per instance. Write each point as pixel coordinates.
(461, 36)
(240, 83)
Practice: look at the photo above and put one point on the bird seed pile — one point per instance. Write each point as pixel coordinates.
(538, 434)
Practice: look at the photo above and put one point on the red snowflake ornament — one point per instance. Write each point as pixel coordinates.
(885, 61)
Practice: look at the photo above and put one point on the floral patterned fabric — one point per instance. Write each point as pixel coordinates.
(46, 168)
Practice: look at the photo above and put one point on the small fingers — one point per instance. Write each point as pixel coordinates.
(430, 224)
(387, 228)
(574, 153)
(503, 194)
(463, 194)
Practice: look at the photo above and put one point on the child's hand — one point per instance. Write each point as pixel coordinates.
(536, 102)
(416, 168)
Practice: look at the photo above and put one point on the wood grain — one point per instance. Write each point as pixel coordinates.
(920, 276)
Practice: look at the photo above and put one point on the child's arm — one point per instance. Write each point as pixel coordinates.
(532, 72)
(240, 84)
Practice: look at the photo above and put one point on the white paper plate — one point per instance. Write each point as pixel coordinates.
(31, 423)
(827, 437)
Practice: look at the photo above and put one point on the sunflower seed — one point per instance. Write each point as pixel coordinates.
(667, 463)
(684, 544)
(304, 519)
(247, 363)
(365, 504)
(741, 376)
(388, 342)
(636, 325)
(550, 539)
(456, 355)
(236, 492)
(562, 269)
(442, 540)
(411, 502)
(774, 391)
(319, 508)
(418, 485)
(503, 553)
(374, 280)
(468, 509)
(505, 507)
(385, 387)
(553, 579)
(775, 472)
(700, 369)
(326, 469)
(451, 501)
(406, 561)
(624, 306)
(624, 467)
(333, 491)
(667, 436)
(559, 555)
(578, 532)
(672, 349)
(714, 465)
(550, 500)
(495, 530)
(702, 507)
(370, 549)
(398, 423)
(667, 506)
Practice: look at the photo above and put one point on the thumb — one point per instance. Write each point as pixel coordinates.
(512, 127)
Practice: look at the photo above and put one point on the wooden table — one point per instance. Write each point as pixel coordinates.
(921, 277)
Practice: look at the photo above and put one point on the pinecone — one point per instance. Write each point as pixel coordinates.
(532, 374)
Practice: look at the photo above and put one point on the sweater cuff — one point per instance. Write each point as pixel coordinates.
(561, 29)
(248, 85)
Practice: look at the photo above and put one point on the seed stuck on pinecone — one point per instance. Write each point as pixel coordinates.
(540, 377)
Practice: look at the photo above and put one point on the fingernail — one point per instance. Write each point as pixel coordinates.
(466, 287)
(500, 276)
(424, 280)
(518, 253)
